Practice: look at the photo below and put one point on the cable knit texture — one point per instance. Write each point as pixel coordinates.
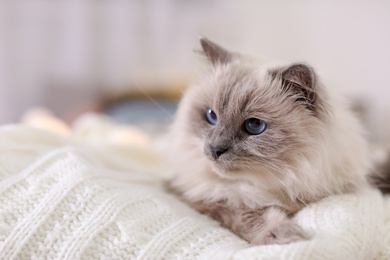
(65, 198)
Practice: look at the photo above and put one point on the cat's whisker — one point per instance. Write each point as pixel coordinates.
(273, 174)
(154, 102)
(270, 173)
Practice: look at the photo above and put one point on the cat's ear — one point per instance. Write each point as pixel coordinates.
(300, 80)
(215, 53)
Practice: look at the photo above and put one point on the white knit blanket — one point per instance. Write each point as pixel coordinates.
(64, 198)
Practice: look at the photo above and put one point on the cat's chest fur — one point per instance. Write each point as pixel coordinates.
(205, 186)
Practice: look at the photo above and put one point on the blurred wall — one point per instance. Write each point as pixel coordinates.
(63, 53)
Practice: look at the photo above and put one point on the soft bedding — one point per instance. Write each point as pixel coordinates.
(69, 198)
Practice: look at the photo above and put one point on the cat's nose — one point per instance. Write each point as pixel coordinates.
(217, 151)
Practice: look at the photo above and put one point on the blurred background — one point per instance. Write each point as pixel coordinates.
(130, 59)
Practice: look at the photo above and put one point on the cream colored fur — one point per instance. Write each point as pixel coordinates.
(328, 156)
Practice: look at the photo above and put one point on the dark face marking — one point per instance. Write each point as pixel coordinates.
(239, 96)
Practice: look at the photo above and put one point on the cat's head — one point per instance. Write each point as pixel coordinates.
(249, 120)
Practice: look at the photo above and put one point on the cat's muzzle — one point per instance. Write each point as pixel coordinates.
(217, 151)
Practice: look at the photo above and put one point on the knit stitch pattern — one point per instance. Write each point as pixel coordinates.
(65, 198)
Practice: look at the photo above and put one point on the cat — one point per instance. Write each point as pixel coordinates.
(254, 143)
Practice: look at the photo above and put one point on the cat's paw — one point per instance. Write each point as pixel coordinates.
(284, 233)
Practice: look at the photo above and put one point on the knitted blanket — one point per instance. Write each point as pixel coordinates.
(65, 198)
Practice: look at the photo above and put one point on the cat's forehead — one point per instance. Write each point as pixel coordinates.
(243, 88)
(241, 79)
(230, 75)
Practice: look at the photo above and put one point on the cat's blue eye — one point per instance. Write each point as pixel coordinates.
(211, 116)
(255, 126)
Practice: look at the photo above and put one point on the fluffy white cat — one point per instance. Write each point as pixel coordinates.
(254, 143)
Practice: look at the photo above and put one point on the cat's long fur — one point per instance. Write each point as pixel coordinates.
(312, 148)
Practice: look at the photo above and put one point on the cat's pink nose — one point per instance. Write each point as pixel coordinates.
(217, 151)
